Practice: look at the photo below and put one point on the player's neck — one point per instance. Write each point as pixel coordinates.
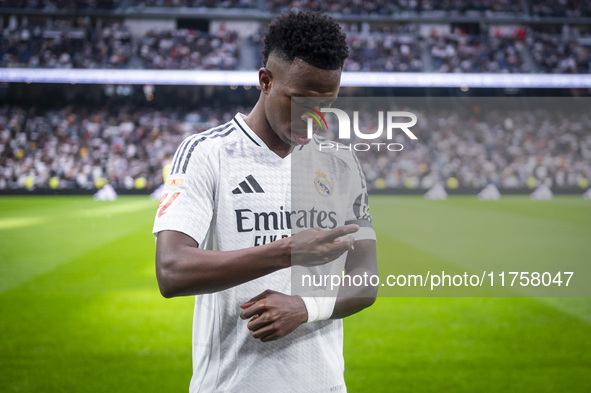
(258, 123)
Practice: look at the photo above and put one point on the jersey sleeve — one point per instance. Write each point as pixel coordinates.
(358, 210)
(187, 202)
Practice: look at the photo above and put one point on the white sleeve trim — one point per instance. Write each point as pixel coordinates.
(364, 233)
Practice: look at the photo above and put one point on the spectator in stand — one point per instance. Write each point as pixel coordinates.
(78, 5)
(196, 3)
(460, 52)
(347, 7)
(389, 49)
(66, 44)
(545, 8)
(189, 49)
(506, 6)
(563, 53)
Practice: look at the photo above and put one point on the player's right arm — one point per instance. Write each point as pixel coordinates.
(184, 269)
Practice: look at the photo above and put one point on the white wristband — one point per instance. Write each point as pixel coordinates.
(319, 308)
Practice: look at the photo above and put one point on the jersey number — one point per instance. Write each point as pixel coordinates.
(165, 202)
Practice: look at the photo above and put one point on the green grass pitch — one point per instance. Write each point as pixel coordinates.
(80, 310)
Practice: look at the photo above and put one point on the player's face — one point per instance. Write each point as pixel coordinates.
(291, 80)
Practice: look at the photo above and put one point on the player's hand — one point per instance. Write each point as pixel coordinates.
(316, 246)
(273, 315)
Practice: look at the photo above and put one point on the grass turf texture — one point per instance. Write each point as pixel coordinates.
(81, 310)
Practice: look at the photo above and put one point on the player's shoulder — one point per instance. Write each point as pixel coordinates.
(213, 138)
(337, 150)
(203, 146)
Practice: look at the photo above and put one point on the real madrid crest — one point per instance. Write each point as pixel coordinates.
(322, 184)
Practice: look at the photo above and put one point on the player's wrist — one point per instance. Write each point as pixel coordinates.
(319, 308)
(277, 252)
(285, 252)
(302, 311)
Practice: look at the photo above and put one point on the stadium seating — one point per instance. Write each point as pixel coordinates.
(83, 147)
(385, 47)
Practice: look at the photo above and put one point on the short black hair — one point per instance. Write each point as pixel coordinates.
(315, 38)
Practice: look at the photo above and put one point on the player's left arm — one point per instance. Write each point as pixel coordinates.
(361, 262)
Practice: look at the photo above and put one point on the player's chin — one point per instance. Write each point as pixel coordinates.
(299, 139)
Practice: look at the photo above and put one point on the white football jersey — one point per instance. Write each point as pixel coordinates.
(228, 191)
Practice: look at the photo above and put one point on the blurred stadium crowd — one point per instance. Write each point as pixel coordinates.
(81, 45)
(476, 146)
(355, 7)
(85, 42)
(86, 147)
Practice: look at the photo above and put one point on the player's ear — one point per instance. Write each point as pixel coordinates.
(265, 79)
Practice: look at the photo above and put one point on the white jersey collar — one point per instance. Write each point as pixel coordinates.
(239, 119)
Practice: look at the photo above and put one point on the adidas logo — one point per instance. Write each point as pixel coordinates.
(247, 186)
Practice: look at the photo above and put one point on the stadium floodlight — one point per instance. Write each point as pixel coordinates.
(249, 78)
